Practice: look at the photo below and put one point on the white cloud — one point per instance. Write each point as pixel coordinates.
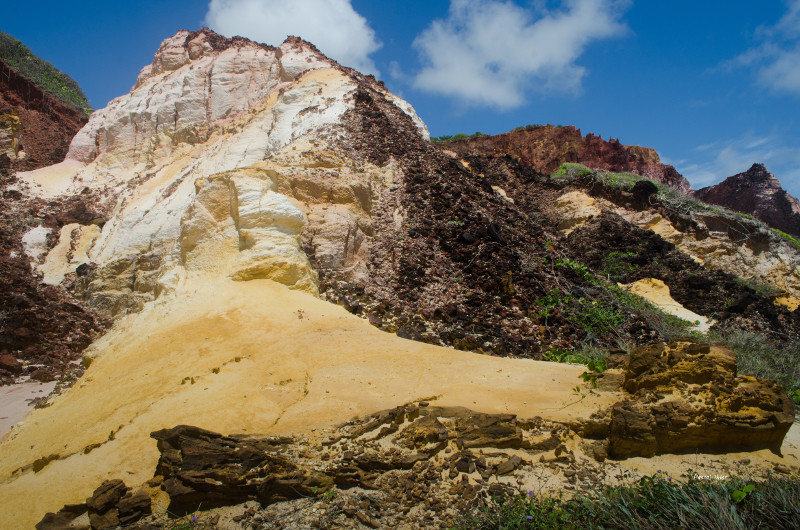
(777, 57)
(720, 160)
(490, 52)
(333, 26)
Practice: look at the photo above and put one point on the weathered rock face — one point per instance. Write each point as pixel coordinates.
(687, 397)
(157, 165)
(438, 461)
(35, 127)
(415, 456)
(756, 192)
(544, 148)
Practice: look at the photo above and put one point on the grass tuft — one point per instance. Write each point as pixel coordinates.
(656, 502)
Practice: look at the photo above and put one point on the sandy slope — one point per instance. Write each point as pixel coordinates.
(302, 364)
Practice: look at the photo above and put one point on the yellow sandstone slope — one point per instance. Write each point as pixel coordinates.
(247, 357)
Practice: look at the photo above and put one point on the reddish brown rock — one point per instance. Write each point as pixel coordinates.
(46, 125)
(546, 147)
(756, 192)
(10, 364)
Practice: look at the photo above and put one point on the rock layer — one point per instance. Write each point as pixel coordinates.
(156, 164)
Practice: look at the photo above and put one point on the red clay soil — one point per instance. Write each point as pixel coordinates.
(48, 125)
(546, 147)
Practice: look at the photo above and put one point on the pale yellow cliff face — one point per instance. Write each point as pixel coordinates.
(248, 357)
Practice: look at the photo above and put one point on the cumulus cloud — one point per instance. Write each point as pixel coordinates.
(490, 52)
(331, 25)
(776, 59)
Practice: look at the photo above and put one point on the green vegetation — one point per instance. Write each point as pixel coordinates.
(789, 238)
(529, 127)
(42, 73)
(669, 197)
(653, 502)
(618, 263)
(598, 317)
(761, 288)
(756, 355)
(594, 358)
(455, 137)
(569, 171)
(578, 268)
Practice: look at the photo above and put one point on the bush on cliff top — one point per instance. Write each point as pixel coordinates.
(42, 73)
(455, 137)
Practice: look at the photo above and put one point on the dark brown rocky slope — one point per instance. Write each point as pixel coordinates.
(756, 192)
(477, 261)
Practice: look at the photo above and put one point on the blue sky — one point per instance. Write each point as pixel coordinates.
(712, 86)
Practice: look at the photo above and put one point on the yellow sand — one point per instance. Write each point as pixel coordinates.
(657, 293)
(788, 301)
(302, 364)
(54, 180)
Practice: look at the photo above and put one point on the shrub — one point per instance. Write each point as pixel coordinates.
(652, 502)
(795, 243)
(41, 72)
(455, 137)
(756, 355)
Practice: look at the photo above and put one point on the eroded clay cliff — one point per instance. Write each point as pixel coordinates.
(35, 127)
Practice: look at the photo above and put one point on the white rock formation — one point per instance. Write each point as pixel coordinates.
(170, 162)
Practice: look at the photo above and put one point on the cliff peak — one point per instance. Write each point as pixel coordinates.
(756, 192)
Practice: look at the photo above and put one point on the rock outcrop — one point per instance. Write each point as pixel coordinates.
(217, 209)
(157, 166)
(436, 462)
(545, 148)
(687, 397)
(756, 192)
(43, 329)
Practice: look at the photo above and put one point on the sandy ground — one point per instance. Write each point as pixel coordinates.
(248, 357)
(15, 402)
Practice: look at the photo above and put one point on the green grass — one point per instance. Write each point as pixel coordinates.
(44, 74)
(656, 502)
(758, 356)
(455, 137)
(795, 243)
(670, 197)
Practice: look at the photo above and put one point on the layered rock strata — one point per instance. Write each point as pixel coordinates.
(158, 166)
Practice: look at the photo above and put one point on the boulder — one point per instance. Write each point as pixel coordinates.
(686, 396)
